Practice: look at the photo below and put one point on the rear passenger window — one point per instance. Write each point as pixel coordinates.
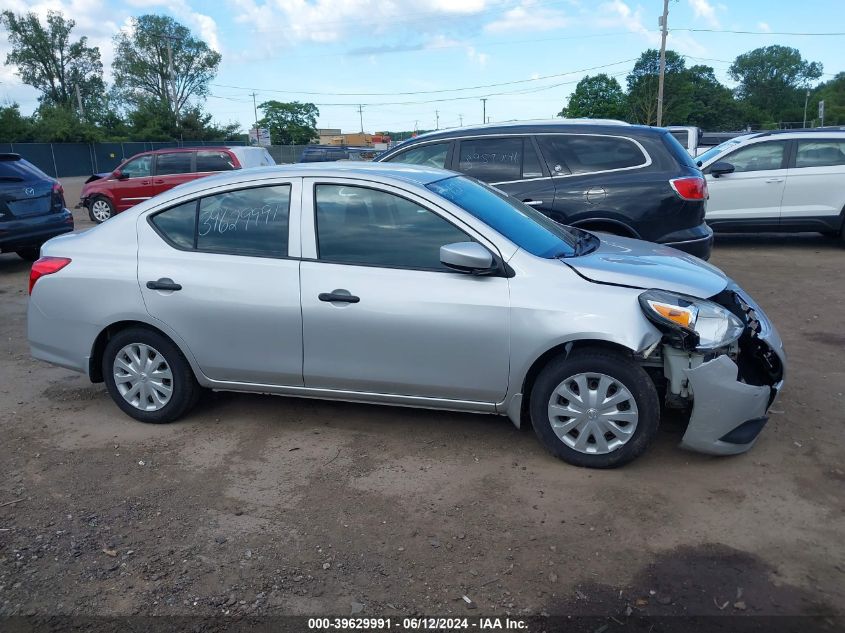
(178, 224)
(173, 163)
(586, 153)
(246, 222)
(819, 153)
(433, 155)
(491, 159)
(214, 161)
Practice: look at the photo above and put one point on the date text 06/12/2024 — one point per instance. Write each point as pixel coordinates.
(416, 624)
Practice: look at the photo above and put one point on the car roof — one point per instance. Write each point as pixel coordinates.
(167, 150)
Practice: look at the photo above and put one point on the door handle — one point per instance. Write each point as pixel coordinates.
(164, 283)
(774, 179)
(158, 181)
(145, 182)
(532, 203)
(338, 297)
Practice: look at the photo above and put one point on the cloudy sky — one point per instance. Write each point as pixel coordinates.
(407, 61)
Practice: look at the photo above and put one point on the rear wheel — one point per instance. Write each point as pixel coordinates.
(148, 377)
(100, 209)
(595, 408)
(30, 253)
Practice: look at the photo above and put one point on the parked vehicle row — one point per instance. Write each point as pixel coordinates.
(407, 285)
(608, 176)
(32, 207)
(151, 173)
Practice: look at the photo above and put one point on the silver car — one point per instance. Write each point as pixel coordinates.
(411, 286)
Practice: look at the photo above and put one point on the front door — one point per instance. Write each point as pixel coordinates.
(381, 314)
(752, 194)
(219, 273)
(509, 163)
(135, 183)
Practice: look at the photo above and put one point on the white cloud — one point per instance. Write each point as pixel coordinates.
(202, 24)
(616, 14)
(528, 17)
(706, 11)
(479, 58)
(763, 26)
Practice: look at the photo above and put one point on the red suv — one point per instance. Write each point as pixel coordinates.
(147, 174)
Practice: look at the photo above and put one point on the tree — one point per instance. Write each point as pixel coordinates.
(49, 61)
(642, 89)
(596, 97)
(14, 127)
(142, 68)
(833, 94)
(713, 105)
(290, 123)
(773, 79)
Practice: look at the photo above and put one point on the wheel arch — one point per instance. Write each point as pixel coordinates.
(95, 368)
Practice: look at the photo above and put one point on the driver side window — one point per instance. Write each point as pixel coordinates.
(758, 157)
(137, 167)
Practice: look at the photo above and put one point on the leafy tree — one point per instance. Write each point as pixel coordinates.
(290, 123)
(14, 127)
(643, 83)
(833, 94)
(61, 124)
(774, 79)
(713, 105)
(49, 61)
(596, 97)
(142, 69)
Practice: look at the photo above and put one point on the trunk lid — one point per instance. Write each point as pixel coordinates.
(24, 199)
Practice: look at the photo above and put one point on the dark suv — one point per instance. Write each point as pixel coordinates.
(604, 176)
(32, 207)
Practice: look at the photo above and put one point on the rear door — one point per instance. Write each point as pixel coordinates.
(509, 163)
(815, 184)
(135, 183)
(24, 189)
(752, 194)
(211, 161)
(235, 259)
(173, 168)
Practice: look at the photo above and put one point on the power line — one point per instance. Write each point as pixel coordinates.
(760, 32)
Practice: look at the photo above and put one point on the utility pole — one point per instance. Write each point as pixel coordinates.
(436, 119)
(806, 100)
(484, 110)
(255, 111)
(461, 119)
(82, 110)
(664, 19)
(361, 116)
(168, 39)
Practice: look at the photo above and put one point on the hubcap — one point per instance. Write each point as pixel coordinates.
(143, 377)
(593, 413)
(100, 210)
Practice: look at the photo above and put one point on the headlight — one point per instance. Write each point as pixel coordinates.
(691, 323)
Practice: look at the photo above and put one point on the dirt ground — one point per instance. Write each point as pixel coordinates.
(269, 505)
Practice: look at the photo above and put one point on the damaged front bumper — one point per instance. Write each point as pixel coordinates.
(731, 396)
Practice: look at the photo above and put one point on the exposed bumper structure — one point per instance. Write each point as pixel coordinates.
(729, 408)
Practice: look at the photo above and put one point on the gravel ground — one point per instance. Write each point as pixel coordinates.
(269, 505)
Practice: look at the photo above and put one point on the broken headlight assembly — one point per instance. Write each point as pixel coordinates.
(690, 323)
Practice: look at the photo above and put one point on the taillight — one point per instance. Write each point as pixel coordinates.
(46, 266)
(57, 197)
(691, 188)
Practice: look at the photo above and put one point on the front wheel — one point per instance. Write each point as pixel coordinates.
(595, 408)
(148, 377)
(100, 209)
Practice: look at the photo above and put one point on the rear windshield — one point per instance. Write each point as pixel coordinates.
(678, 151)
(20, 170)
(527, 228)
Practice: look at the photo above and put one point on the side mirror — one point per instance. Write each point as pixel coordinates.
(119, 175)
(466, 257)
(720, 168)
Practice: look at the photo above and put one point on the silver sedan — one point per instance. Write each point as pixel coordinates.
(407, 286)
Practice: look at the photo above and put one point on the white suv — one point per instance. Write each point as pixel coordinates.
(777, 181)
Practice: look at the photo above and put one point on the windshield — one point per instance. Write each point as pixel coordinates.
(527, 228)
(715, 151)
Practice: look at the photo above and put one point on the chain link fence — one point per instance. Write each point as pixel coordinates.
(63, 160)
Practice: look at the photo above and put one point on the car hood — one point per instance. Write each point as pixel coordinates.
(99, 176)
(628, 262)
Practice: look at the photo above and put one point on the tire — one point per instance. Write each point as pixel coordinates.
(600, 371)
(100, 209)
(153, 405)
(30, 253)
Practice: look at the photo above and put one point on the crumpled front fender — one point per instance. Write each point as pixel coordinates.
(720, 404)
